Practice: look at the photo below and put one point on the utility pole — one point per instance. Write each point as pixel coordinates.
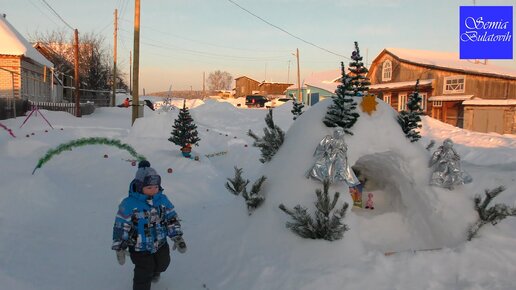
(113, 98)
(299, 97)
(136, 65)
(203, 85)
(288, 72)
(76, 78)
(130, 72)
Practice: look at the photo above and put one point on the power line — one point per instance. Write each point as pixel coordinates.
(57, 14)
(281, 29)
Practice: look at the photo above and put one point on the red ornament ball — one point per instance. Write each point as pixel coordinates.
(46, 131)
(169, 170)
(234, 137)
(245, 145)
(133, 163)
(28, 135)
(32, 133)
(105, 156)
(62, 129)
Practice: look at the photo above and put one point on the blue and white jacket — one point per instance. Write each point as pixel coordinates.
(143, 224)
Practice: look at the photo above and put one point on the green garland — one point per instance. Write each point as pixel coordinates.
(87, 141)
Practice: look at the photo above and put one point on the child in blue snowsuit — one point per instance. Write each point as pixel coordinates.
(144, 220)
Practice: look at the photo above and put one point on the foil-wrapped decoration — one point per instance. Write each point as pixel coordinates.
(332, 161)
(446, 167)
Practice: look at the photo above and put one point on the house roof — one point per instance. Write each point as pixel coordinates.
(326, 80)
(447, 61)
(246, 78)
(13, 43)
(400, 84)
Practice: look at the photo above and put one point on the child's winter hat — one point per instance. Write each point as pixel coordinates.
(146, 175)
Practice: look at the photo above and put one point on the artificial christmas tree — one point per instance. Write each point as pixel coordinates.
(270, 143)
(342, 113)
(411, 120)
(359, 82)
(185, 131)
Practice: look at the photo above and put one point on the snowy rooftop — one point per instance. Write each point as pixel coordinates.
(327, 80)
(450, 60)
(400, 84)
(13, 43)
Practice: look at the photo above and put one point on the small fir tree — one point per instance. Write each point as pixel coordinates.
(491, 215)
(254, 198)
(323, 226)
(270, 143)
(342, 113)
(297, 108)
(185, 130)
(411, 120)
(237, 185)
(359, 82)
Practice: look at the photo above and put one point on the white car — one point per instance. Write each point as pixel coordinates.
(277, 102)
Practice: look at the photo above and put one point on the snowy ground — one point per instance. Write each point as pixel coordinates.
(55, 225)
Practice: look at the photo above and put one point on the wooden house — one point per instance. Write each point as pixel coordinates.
(245, 86)
(467, 94)
(25, 73)
(317, 87)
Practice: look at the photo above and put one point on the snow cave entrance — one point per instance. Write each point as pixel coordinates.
(387, 227)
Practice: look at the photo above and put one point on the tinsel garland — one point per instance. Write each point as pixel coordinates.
(8, 130)
(87, 141)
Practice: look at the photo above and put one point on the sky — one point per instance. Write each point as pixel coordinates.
(56, 224)
(183, 39)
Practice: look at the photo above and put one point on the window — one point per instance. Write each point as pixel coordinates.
(387, 71)
(402, 102)
(424, 101)
(454, 84)
(387, 98)
(437, 103)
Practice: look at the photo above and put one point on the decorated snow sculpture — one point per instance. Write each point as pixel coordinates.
(332, 160)
(446, 168)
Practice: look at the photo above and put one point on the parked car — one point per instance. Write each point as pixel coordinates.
(277, 102)
(255, 101)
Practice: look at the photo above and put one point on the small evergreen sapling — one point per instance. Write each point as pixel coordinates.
(411, 120)
(185, 130)
(342, 113)
(297, 108)
(238, 184)
(270, 143)
(323, 226)
(254, 198)
(491, 215)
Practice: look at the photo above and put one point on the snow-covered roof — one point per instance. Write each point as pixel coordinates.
(400, 84)
(450, 60)
(326, 80)
(13, 43)
(485, 102)
(450, 98)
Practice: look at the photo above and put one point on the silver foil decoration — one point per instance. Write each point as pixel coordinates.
(332, 160)
(446, 167)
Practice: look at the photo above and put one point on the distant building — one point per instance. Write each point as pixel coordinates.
(467, 94)
(24, 72)
(317, 87)
(247, 86)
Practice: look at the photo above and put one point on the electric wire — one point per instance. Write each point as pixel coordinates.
(57, 14)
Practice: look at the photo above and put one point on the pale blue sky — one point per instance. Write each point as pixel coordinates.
(181, 39)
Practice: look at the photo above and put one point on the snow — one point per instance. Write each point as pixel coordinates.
(56, 225)
(486, 102)
(450, 98)
(450, 60)
(13, 43)
(400, 84)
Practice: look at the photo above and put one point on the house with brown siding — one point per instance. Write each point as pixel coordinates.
(247, 86)
(474, 95)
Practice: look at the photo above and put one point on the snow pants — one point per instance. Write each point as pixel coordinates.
(146, 265)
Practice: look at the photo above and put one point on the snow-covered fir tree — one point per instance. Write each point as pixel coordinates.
(324, 226)
(491, 215)
(410, 119)
(238, 184)
(254, 198)
(359, 82)
(342, 113)
(270, 143)
(185, 130)
(297, 108)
